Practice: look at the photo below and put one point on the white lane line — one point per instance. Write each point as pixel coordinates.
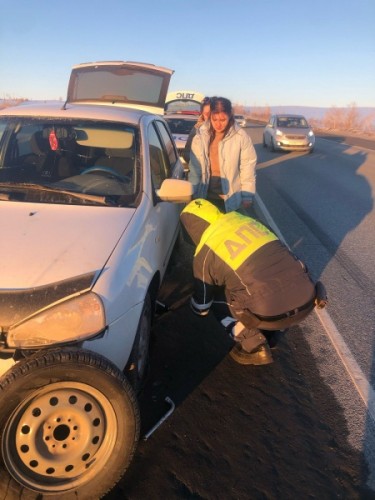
(359, 380)
(355, 373)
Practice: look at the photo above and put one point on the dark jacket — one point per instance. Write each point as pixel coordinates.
(258, 272)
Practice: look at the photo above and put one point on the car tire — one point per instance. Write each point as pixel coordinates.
(264, 141)
(69, 424)
(272, 145)
(138, 363)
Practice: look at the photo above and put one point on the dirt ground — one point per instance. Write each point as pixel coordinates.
(238, 432)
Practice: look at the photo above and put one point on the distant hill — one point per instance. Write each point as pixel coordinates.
(365, 116)
(311, 112)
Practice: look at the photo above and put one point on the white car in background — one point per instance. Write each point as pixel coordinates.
(180, 125)
(183, 101)
(182, 110)
(90, 196)
(241, 120)
(286, 132)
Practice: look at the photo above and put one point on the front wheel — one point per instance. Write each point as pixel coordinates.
(69, 424)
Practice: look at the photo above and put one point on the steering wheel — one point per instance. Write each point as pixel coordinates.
(101, 170)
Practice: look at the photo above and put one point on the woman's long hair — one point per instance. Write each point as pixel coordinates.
(221, 105)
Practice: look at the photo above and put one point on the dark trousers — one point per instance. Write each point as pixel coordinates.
(256, 328)
(228, 318)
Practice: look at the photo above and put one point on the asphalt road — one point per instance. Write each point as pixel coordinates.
(298, 428)
(323, 205)
(364, 141)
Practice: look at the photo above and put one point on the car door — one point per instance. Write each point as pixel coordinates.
(164, 163)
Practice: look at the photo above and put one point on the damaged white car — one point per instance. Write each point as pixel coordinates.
(90, 196)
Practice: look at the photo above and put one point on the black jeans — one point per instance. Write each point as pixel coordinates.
(228, 318)
(256, 328)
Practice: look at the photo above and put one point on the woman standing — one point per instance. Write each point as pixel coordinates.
(205, 112)
(222, 160)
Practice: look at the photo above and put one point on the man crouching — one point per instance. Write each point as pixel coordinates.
(252, 281)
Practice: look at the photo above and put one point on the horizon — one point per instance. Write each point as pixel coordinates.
(363, 118)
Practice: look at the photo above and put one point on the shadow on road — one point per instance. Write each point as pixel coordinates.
(237, 432)
(271, 432)
(330, 195)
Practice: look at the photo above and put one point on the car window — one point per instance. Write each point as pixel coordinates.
(168, 144)
(2, 129)
(292, 122)
(183, 106)
(180, 126)
(58, 154)
(159, 160)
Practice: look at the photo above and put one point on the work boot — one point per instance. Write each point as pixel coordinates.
(260, 355)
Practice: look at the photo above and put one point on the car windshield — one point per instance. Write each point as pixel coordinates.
(180, 126)
(69, 162)
(292, 122)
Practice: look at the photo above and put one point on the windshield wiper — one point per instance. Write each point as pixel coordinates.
(41, 187)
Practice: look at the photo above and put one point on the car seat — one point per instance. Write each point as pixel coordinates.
(120, 160)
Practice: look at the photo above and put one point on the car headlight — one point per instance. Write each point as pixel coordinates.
(73, 320)
(278, 132)
(311, 133)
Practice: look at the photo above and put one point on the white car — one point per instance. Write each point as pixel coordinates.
(241, 120)
(180, 125)
(90, 196)
(286, 132)
(182, 101)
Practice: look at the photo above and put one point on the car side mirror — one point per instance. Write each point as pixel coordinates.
(175, 191)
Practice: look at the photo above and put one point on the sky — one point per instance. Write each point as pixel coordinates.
(257, 53)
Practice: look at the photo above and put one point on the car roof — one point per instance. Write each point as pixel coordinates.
(60, 110)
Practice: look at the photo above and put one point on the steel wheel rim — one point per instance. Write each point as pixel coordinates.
(59, 437)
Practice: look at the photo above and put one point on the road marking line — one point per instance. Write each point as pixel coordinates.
(360, 382)
(359, 379)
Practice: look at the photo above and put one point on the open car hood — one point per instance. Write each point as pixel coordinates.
(129, 84)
